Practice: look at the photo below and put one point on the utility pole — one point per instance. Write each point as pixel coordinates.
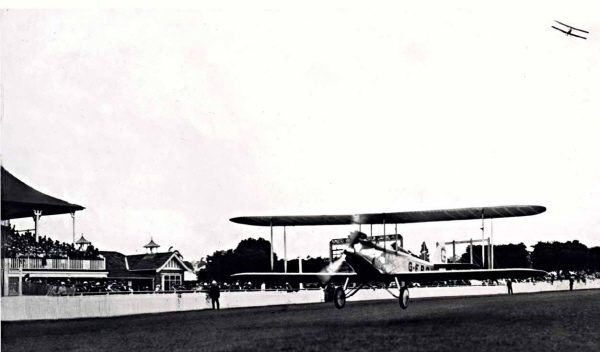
(271, 245)
(482, 239)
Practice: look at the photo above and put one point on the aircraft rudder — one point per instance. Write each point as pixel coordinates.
(440, 254)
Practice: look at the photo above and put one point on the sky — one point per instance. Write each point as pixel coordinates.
(165, 123)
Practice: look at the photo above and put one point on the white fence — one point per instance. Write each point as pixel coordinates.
(46, 307)
(57, 264)
(454, 291)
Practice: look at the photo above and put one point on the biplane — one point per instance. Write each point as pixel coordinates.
(374, 264)
(570, 32)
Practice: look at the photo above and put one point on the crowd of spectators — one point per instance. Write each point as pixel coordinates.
(249, 286)
(559, 275)
(72, 287)
(68, 287)
(18, 245)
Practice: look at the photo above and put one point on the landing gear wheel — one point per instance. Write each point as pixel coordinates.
(339, 297)
(404, 297)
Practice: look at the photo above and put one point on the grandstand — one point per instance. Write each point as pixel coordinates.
(38, 265)
(27, 257)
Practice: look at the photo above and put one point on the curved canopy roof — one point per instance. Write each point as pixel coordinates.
(82, 240)
(151, 244)
(19, 200)
(394, 218)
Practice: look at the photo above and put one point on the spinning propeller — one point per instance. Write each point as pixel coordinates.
(336, 265)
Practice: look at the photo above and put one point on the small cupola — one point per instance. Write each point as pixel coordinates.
(151, 245)
(83, 242)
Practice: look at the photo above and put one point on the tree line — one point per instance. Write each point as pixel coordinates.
(547, 256)
(253, 255)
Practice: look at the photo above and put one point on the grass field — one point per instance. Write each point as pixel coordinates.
(557, 321)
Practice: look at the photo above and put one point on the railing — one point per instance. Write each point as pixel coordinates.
(186, 292)
(57, 264)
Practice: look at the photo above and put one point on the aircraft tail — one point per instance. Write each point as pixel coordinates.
(440, 254)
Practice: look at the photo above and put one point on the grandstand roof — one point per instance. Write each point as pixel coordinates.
(19, 200)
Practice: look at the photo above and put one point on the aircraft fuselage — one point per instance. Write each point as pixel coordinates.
(370, 260)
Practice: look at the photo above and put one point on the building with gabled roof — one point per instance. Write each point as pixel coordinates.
(147, 271)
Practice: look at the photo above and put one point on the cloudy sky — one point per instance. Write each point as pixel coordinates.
(165, 123)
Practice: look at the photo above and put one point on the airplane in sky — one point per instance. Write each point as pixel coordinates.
(373, 263)
(570, 30)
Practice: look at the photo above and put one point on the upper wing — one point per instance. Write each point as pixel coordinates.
(565, 32)
(424, 276)
(394, 218)
(566, 25)
(293, 277)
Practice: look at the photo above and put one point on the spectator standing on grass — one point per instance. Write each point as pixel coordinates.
(571, 281)
(509, 286)
(215, 293)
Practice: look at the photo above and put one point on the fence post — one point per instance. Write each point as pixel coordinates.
(20, 282)
(5, 267)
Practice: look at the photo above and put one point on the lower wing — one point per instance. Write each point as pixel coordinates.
(455, 266)
(293, 277)
(558, 29)
(578, 36)
(424, 276)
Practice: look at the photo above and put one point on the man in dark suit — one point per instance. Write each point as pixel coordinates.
(571, 281)
(215, 292)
